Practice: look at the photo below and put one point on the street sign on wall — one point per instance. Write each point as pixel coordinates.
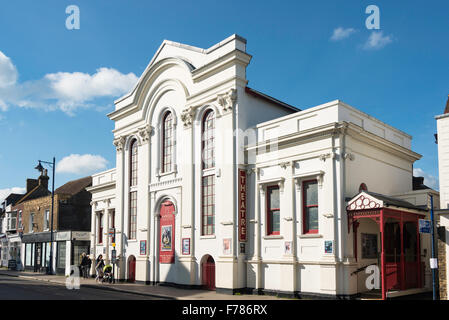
(424, 226)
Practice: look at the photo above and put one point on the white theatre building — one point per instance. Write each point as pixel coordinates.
(219, 185)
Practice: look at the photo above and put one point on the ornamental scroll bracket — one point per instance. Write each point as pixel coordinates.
(227, 100)
(187, 116)
(145, 133)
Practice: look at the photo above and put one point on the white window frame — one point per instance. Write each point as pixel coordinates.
(31, 223)
(46, 220)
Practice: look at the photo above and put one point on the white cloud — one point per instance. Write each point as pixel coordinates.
(8, 72)
(429, 180)
(377, 41)
(66, 91)
(341, 33)
(6, 192)
(81, 164)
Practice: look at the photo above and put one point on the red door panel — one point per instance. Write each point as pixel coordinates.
(208, 271)
(132, 269)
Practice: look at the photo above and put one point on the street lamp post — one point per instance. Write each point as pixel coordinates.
(40, 168)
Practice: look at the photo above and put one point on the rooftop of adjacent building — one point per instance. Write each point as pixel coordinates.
(75, 186)
(446, 111)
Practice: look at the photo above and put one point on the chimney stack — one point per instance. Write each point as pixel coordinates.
(43, 179)
(31, 184)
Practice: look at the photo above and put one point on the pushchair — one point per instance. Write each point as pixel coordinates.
(107, 274)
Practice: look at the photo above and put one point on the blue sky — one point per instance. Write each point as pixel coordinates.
(401, 79)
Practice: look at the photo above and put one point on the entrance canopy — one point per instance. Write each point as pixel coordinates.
(400, 239)
(375, 206)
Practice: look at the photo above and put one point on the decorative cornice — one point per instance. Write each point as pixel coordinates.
(187, 116)
(227, 100)
(164, 183)
(119, 143)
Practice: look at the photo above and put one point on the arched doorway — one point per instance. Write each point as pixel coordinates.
(208, 273)
(131, 269)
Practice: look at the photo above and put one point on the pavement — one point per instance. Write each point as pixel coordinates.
(150, 291)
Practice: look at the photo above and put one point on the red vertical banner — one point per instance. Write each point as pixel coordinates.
(242, 206)
(167, 233)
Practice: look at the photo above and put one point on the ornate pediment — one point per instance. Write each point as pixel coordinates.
(364, 201)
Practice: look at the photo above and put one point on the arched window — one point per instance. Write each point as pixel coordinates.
(208, 140)
(208, 176)
(133, 164)
(133, 194)
(167, 142)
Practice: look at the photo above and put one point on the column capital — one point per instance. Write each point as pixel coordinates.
(227, 100)
(145, 134)
(119, 143)
(187, 116)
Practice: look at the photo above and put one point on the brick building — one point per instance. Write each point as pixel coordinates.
(71, 225)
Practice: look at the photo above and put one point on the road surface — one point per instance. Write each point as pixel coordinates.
(14, 288)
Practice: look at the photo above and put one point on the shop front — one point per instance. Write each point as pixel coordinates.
(70, 245)
(3, 251)
(14, 251)
(37, 251)
(80, 245)
(63, 243)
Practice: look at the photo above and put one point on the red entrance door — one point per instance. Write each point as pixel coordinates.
(132, 269)
(392, 255)
(208, 271)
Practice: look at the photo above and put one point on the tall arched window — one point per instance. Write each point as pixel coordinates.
(133, 194)
(208, 176)
(208, 140)
(167, 142)
(133, 164)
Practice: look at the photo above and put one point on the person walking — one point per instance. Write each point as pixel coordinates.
(84, 265)
(99, 267)
(88, 266)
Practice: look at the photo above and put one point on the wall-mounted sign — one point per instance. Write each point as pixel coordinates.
(186, 246)
(114, 256)
(328, 246)
(424, 226)
(227, 246)
(242, 206)
(81, 235)
(63, 236)
(288, 247)
(143, 247)
(166, 242)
